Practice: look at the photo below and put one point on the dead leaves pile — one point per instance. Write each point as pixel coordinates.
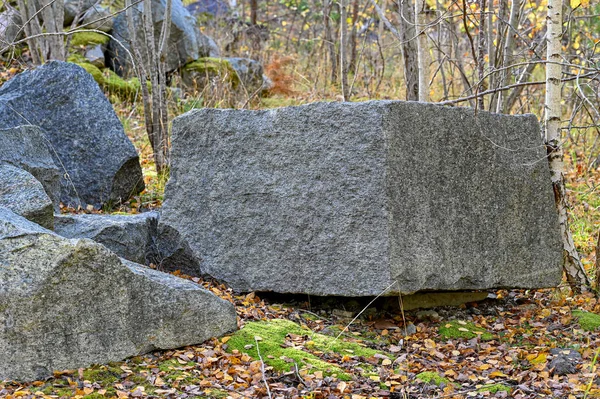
(525, 327)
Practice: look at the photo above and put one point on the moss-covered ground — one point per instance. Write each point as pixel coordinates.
(461, 329)
(285, 345)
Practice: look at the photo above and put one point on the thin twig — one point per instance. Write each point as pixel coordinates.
(262, 368)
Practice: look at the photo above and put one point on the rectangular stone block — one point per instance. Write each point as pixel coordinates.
(357, 198)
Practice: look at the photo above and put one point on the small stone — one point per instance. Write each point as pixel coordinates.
(410, 329)
(564, 361)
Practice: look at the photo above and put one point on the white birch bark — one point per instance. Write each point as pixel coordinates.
(572, 265)
(422, 50)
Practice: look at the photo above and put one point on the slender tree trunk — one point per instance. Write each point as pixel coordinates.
(572, 265)
(253, 11)
(343, 48)
(409, 49)
(422, 50)
(31, 29)
(509, 48)
(328, 5)
(481, 54)
(352, 63)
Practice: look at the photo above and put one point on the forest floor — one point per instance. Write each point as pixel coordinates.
(501, 347)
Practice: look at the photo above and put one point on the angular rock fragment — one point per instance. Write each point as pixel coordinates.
(130, 236)
(85, 136)
(24, 194)
(26, 147)
(67, 304)
(356, 199)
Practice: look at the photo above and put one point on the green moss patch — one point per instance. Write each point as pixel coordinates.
(88, 39)
(587, 320)
(108, 79)
(455, 329)
(433, 378)
(283, 343)
(495, 388)
(210, 67)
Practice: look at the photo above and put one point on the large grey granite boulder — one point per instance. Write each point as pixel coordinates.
(186, 43)
(358, 198)
(27, 148)
(70, 303)
(130, 236)
(86, 137)
(24, 194)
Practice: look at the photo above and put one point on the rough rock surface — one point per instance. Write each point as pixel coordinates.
(70, 303)
(250, 73)
(356, 198)
(215, 8)
(98, 17)
(564, 361)
(10, 26)
(85, 135)
(172, 252)
(75, 8)
(26, 147)
(24, 194)
(186, 43)
(130, 236)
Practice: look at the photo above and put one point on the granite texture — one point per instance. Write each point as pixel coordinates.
(24, 194)
(85, 136)
(130, 236)
(355, 199)
(68, 304)
(26, 147)
(186, 42)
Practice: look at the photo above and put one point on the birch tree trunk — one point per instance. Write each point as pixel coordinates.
(572, 265)
(422, 50)
(509, 48)
(481, 53)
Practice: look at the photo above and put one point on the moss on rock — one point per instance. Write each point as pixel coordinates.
(196, 72)
(88, 39)
(588, 321)
(108, 79)
(272, 336)
(460, 329)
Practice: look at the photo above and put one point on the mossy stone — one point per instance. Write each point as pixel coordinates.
(195, 74)
(88, 39)
(587, 320)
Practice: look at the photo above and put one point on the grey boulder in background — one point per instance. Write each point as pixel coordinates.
(27, 148)
(71, 303)
(130, 236)
(186, 43)
(355, 199)
(24, 194)
(86, 137)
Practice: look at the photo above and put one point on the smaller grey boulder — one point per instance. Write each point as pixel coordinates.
(10, 26)
(99, 18)
(250, 73)
(76, 8)
(68, 304)
(26, 147)
(130, 236)
(564, 361)
(95, 55)
(24, 195)
(214, 8)
(186, 43)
